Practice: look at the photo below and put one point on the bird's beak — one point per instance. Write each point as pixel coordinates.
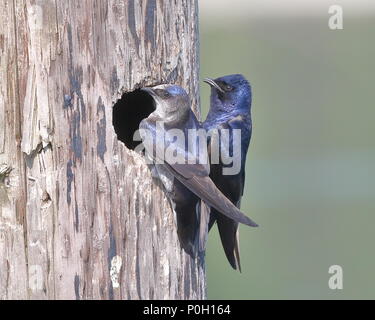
(212, 83)
(149, 90)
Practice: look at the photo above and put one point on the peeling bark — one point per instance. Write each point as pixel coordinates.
(80, 215)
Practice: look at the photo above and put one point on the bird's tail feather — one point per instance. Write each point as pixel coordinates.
(237, 250)
(203, 225)
(229, 235)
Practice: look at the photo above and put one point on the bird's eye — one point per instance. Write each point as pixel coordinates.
(164, 94)
(228, 87)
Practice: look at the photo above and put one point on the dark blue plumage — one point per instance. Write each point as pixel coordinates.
(230, 108)
(187, 183)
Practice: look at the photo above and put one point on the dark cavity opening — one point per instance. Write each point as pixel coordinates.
(128, 112)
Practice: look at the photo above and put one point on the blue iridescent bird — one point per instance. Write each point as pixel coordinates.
(230, 108)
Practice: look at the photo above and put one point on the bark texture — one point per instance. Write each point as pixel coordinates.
(80, 215)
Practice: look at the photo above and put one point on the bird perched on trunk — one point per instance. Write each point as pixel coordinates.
(170, 136)
(230, 105)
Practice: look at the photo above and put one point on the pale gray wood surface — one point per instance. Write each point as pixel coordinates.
(80, 216)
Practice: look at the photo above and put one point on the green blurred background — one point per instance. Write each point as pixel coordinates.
(311, 164)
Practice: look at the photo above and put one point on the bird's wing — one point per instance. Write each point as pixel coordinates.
(205, 189)
(195, 178)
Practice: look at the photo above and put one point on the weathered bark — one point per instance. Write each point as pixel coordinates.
(80, 215)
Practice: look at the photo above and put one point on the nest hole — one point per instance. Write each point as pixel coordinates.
(128, 112)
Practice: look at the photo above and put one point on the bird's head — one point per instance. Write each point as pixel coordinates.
(230, 92)
(171, 101)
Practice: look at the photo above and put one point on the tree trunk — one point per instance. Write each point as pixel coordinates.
(80, 215)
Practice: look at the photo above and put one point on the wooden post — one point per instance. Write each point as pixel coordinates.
(80, 215)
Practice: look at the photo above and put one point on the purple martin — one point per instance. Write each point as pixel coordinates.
(230, 108)
(186, 181)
